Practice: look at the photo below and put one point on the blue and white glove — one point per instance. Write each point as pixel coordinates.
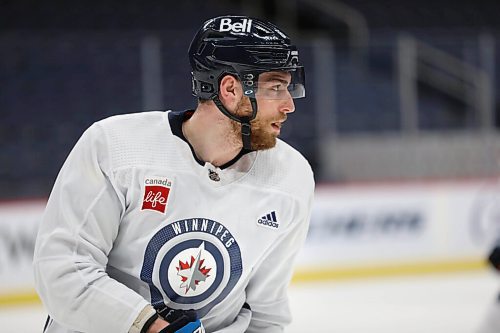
(192, 327)
(181, 321)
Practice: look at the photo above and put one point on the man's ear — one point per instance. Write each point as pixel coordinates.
(230, 92)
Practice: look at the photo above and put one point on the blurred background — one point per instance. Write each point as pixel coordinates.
(401, 125)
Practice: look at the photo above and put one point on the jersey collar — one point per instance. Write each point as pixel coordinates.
(176, 118)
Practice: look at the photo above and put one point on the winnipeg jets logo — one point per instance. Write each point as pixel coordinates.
(193, 262)
(193, 272)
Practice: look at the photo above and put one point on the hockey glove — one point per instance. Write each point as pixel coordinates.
(181, 321)
(494, 257)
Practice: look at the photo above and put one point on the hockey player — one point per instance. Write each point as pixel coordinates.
(491, 322)
(175, 221)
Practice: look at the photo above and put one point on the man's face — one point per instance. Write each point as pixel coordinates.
(273, 103)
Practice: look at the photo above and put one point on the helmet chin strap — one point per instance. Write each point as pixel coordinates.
(246, 130)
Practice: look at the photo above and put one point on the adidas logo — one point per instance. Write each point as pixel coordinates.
(269, 221)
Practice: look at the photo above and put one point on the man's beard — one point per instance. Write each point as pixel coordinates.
(260, 138)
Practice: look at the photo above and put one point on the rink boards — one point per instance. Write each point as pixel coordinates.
(356, 231)
(400, 228)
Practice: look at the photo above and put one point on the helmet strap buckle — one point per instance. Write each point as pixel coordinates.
(246, 132)
(246, 129)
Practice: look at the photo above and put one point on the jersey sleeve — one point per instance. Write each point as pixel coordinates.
(76, 234)
(267, 289)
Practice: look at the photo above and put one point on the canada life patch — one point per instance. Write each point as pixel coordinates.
(156, 191)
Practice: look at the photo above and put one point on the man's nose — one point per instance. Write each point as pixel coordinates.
(288, 105)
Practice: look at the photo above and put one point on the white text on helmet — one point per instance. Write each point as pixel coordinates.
(244, 26)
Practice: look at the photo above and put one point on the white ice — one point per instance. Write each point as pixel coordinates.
(445, 303)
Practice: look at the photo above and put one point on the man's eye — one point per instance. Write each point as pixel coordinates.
(277, 87)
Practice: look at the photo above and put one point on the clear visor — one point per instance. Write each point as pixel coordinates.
(279, 84)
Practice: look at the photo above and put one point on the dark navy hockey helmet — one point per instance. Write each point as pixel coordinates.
(243, 47)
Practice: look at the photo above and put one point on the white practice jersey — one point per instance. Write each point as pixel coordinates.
(134, 219)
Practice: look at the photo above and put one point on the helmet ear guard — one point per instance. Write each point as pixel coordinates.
(205, 85)
(202, 89)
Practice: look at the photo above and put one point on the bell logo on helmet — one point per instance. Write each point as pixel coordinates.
(226, 25)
